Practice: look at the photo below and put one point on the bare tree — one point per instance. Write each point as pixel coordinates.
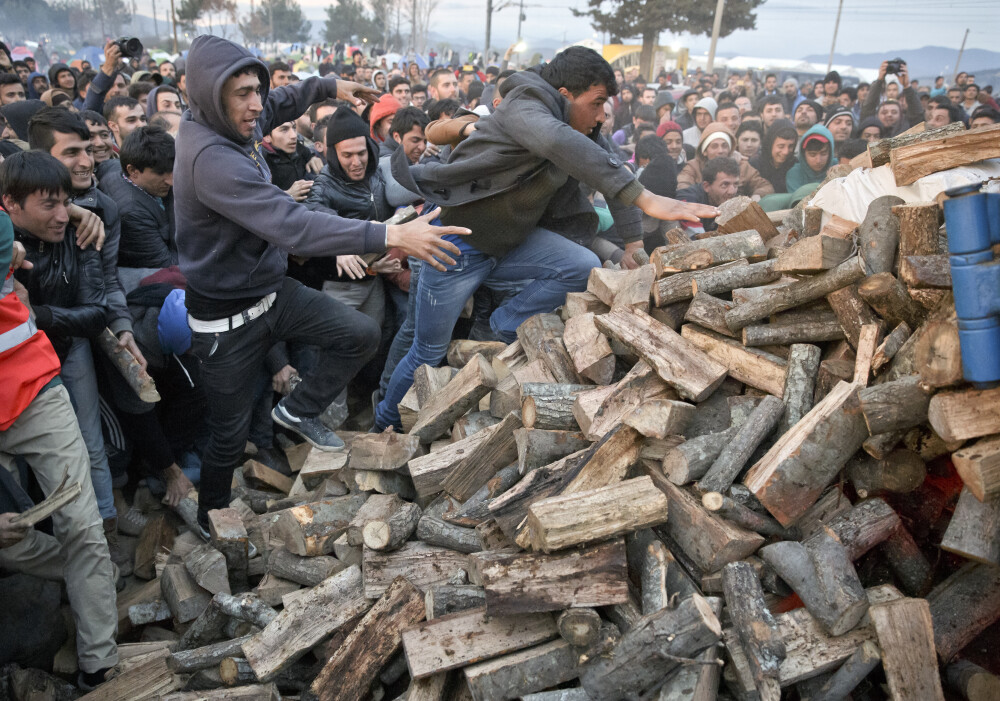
(418, 15)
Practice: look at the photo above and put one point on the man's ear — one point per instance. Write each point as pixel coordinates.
(566, 93)
(267, 138)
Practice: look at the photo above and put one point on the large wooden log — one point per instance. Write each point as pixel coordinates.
(814, 254)
(851, 673)
(751, 366)
(890, 345)
(511, 508)
(578, 303)
(901, 471)
(467, 637)
(691, 459)
(852, 312)
(538, 447)
(888, 296)
(541, 339)
(847, 273)
(963, 606)
(796, 470)
(519, 673)
(205, 657)
(528, 583)
(710, 312)
(550, 405)
(910, 163)
(181, 592)
(434, 530)
(926, 272)
(472, 383)
(682, 366)
(156, 538)
(974, 529)
(484, 460)
(878, 235)
(310, 529)
(634, 290)
(427, 381)
(589, 349)
(861, 527)
(659, 418)
(800, 384)
(745, 517)
(348, 673)
(604, 284)
(600, 411)
(650, 649)
(580, 627)
(890, 406)
(909, 564)
(748, 438)
(429, 472)
(696, 255)
(979, 467)
(972, 681)
(741, 214)
(442, 599)
(722, 278)
(754, 624)
(879, 151)
(383, 451)
(461, 351)
(391, 532)
(302, 624)
(421, 564)
(964, 414)
(906, 636)
(208, 567)
(229, 536)
(823, 327)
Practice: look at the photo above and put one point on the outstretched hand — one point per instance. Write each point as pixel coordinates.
(421, 239)
(667, 209)
(356, 93)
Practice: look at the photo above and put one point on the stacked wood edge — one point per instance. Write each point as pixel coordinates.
(748, 469)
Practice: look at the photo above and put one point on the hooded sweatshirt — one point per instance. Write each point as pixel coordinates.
(17, 114)
(801, 174)
(751, 182)
(763, 162)
(692, 135)
(234, 228)
(33, 94)
(54, 70)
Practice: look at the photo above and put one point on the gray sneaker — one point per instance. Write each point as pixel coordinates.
(310, 428)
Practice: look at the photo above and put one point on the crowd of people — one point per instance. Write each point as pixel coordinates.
(230, 223)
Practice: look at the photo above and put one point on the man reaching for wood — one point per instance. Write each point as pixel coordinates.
(515, 182)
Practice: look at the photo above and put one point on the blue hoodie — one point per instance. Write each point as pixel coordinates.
(801, 174)
(234, 228)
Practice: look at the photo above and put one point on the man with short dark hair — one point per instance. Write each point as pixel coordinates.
(720, 182)
(124, 115)
(514, 182)
(168, 71)
(442, 85)
(770, 85)
(11, 89)
(163, 98)
(101, 143)
(418, 95)
(893, 119)
(728, 115)
(984, 116)
(647, 96)
(970, 102)
(806, 114)
(280, 72)
(399, 88)
(771, 108)
(83, 81)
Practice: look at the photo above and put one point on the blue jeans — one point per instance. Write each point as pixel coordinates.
(80, 377)
(403, 339)
(555, 265)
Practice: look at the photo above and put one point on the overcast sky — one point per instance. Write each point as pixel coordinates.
(785, 28)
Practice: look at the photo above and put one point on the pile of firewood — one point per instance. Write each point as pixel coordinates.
(747, 469)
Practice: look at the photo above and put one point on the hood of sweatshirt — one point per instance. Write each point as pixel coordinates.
(707, 135)
(18, 113)
(32, 93)
(818, 129)
(54, 70)
(217, 59)
(706, 103)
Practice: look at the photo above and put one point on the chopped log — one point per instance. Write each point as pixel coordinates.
(696, 255)
(549, 406)
(696, 682)
(745, 517)
(473, 422)
(391, 532)
(518, 583)
(491, 536)
(880, 150)
(926, 272)
(741, 214)
(639, 386)
(691, 459)
(442, 599)
(580, 627)
(851, 673)
(378, 507)
(937, 354)
(847, 273)
(910, 566)
(541, 339)
(653, 572)
(589, 349)
(433, 530)
(740, 273)
(157, 537)
(650, 649)
(205, 657)
(800, 384)
(634, 290)
(838, 227)
(901, 471)
(428, 472)
(906, 636)
(861, 527)
(209, 625)
(462, 638)
(181, 592)
(831, 373)
(815, 330)
(348, 673)
(814, 254)
(427, 381)
(963, 606)
(588, 516)
(974, 529)
(538, 447)
(320, 465)
(461, 351)
(979, 467)
(511, 508)
(754, 624)
(910, 163)
(421, 564)
(867, 343)
(890, 345)
(484, 460)
(681, 365)
(125, 363)
(795, 471)
(229, 536)
(888, 297)
(208, 568)
(307, 571)
(751, 366)
(518, 673)
(604, 283)
(271, 588)
(383, 451)
(852, 312)
(748, 438)
(821, 573)
(578, 303)
(964, 414)
(475, 510)
(972, 681)
(143, 677)
(878, 235)
(707, 540)
(258, 473)
(472, 383)
(302, 624)
(430, 688)
(710, 312)
(659, 418)
(310, 529)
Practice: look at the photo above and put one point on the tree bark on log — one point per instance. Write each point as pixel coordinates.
(819, 329)
(900, 472)
(963, 606)
(538, 447)
(974, 529)
(541, 339)
(690, 460)
(706, 253)
(550, 406)
(484, 460)
(741, 214)
(800, 384)
(519, 673)
(125, 363)
(890, 345)
(889, 297)
(755, 626)
(589, 349)
(752, 366)
(878, 235)
(855, 668)
(972, 681)
(748, 438)
(710, 312)
(906, 636)
(979, 467)
(392, 532)
(852, 312)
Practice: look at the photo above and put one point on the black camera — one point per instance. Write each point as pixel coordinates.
(130, 47)
(895, 66)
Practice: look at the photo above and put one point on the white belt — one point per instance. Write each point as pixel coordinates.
(17, 335)
(236, 320)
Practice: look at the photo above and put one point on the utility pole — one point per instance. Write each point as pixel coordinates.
(836, 28)
(716, 28)
(156, 26)
(413, 25)
(489, 26)
(961, 51)
(173, 18)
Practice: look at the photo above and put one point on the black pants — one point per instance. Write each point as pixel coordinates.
(231, 370)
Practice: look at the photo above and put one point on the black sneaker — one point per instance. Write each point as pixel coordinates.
(310, 428)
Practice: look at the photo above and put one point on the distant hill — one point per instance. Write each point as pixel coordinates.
(924, 62)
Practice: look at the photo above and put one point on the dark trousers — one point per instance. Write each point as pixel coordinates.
(232, 362)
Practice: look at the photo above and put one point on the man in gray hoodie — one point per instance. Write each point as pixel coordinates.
(235, 230)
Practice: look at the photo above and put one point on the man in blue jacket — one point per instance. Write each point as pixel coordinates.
(235, 230)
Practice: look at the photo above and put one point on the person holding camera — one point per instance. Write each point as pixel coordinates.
(109, 82)
(914, 111)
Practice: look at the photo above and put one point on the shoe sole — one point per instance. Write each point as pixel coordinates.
(293, 428)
